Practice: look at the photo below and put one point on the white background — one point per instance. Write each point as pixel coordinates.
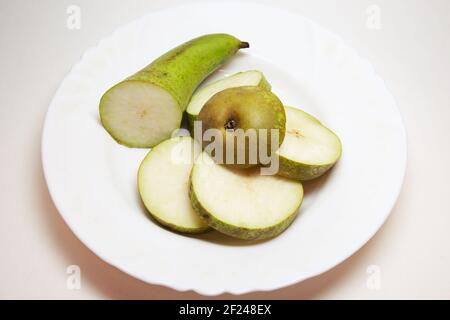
(411, 52)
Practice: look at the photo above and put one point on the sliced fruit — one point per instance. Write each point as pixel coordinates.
(246, 78)
(147, 107)
(163, 182)
(243, 203)
(309, 149)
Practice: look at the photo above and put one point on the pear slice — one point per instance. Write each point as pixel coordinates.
(163, 183)
(243, 203)
(199, 99)
(309, 149)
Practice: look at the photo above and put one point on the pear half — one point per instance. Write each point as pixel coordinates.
(243, 203)
(163, 183)
(309, 148)
(199, 99)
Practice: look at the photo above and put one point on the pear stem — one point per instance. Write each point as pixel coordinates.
(244, 45)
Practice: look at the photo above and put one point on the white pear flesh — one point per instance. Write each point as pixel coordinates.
(134, 115)
(243, 203)
(309, 148)
(163, 182)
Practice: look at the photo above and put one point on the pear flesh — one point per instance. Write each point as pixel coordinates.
(243, 203)
(163, 183)
(309, 148)
(144, 109)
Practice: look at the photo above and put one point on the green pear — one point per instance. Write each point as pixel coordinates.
(246, 125)
(163, 184)
(202, 95)
(144, 109)
(309, 148)
(243, 203)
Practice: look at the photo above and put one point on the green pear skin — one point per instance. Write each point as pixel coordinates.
(147, 107)
(203, 94)
(246, 107)
(304, 172)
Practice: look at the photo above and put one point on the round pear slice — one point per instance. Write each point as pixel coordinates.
(163, 182)
(309, 149)
(240, 79)
(243, 203)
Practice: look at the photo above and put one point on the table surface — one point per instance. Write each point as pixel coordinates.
(410, 48)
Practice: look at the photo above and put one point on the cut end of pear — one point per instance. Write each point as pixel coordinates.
(309, 149)
(139, 114)
(243, 203)
(247, 78)
(163, 182)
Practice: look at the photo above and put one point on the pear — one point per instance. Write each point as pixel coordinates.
(309, 148)
(163, 183)
(243, 203)
(246, 78)
(247, 124)
(144, 109)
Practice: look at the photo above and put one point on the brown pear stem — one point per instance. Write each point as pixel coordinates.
(244, 45)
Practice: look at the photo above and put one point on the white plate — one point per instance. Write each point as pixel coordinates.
(92, 179)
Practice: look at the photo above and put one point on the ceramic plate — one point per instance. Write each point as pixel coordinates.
(92, 179)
